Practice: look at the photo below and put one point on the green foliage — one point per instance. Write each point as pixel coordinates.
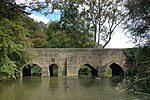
(36, 70)
(71, 28)
(103, 16)
(83, 23)
(14, 42)
(138, 21)
(131, 54)
(55, 70)
(84, 70)
(138, 74)
(65, 37)
(13, 48)
(36, 32)
(10, 10)
(94, 19)
(108, 72)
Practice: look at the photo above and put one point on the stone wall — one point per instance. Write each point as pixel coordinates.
(71, 59)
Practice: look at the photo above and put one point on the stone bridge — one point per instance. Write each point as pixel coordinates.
(69, 60)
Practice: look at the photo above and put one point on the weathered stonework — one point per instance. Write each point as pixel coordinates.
(71, 59)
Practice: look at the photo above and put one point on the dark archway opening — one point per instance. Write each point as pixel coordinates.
(26, 71)
(116, 70)
(53, 69)
(87, 70)
(32, 70)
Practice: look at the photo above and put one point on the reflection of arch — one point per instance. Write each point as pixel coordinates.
(53, 69)
(116, 69)
(31, 70)
(93, 70)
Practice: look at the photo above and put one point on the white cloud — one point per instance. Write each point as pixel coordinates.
(39, 18)
(22, 1)
(28, 1)
(119, 40)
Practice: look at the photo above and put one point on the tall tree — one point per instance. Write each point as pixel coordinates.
(72, 23)
(59, 37)
(9, 9)
(98, 17)
(103, 17)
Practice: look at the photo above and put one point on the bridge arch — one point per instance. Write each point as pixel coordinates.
(93, 71)
(117, 70)
(53, 70)
(31, 70)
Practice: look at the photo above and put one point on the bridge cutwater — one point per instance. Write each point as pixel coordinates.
(69, 60)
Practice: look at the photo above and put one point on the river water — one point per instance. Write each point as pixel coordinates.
(62, 88)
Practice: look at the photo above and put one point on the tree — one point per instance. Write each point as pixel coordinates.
(59, 37)
(36, 32)
(14, 40)
(138, 21)
(13, 48)
(100, 17)
(103, 16)
(96, 17)
(72, 25)
(138, 25)
(137, 77)
(10, 10)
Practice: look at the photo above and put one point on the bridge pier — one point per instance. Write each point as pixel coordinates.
(72, 70)
(101, 71)
(45, 71)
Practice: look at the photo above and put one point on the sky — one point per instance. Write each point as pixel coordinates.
(40, 17)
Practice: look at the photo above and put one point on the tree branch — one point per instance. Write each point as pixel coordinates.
(142, 79)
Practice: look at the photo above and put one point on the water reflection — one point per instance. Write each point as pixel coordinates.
(30, 82)
(56, 88)
(87, 82)
(53, 84)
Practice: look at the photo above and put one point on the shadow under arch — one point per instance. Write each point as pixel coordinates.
(31, 70)
(26, 71)
(53, 69)
(116, 70)
(92, 70)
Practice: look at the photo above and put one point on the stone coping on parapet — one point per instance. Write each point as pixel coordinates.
(77, 49)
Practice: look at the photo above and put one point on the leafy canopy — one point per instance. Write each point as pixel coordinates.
(14, 42)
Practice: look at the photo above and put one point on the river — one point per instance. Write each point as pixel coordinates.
(62, 88)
